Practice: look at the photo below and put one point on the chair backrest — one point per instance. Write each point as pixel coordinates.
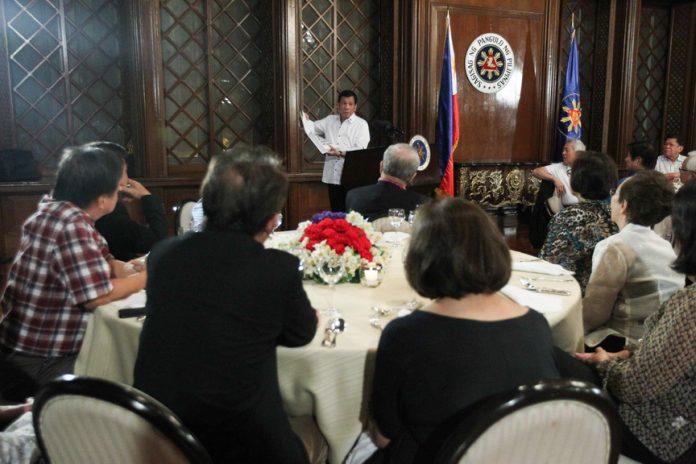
(566, 421)
(87, 420)
(183, 215)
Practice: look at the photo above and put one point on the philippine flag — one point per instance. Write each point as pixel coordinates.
(447, 134)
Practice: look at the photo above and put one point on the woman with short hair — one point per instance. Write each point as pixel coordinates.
(469, 343)
(631, 271)
(575, 230)
(653, 384)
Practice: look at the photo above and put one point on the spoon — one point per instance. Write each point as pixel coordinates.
(376, 323)
(381, 311)
(551, 279)
(334, 327)
(527, 285)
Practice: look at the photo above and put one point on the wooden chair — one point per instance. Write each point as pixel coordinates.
(566, 421)
(182, 216)
(84, 420)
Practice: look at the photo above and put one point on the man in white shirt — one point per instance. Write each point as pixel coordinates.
(559, 173)
(342, 132)
(669, 163)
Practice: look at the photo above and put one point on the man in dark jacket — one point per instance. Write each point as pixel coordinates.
(398, 169)
(208, 345)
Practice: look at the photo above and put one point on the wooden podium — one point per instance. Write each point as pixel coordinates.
(361, 167)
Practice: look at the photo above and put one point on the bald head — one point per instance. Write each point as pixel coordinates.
(401, 161)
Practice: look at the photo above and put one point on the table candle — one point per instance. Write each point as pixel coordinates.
(371, 276)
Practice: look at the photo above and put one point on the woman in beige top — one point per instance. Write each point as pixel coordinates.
(631, 271)
(654, 384)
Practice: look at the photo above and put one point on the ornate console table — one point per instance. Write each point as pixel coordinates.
(497, 185)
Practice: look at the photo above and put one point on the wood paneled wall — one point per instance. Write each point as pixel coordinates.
(516, 125)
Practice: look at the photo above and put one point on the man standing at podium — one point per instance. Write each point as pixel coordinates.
(342, 132)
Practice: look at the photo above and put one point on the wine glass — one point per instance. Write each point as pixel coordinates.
(396, 217)
(331, 271)
(279, 221)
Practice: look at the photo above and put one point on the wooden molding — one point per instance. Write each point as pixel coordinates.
(145, 92)
(7, 134)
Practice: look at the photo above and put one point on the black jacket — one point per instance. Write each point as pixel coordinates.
(374, 201)
(126, 238)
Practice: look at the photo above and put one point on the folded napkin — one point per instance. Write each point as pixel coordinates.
(540, 267)
(280, 239)
(136, 300)
(541, 302)
(396, 237)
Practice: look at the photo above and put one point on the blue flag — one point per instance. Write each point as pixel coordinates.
(569, 124)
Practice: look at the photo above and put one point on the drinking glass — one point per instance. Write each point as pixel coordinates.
(411, 217)
(396, 217)
(331, 271)
(279, 221)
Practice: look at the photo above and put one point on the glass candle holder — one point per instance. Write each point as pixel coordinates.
(371, 274)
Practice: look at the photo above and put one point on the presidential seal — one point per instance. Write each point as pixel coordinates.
(420, 144)
(489, 63)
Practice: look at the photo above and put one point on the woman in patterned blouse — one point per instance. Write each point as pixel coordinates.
(575, 230)
(654, 384)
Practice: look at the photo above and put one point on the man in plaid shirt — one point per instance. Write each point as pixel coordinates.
(62, 271)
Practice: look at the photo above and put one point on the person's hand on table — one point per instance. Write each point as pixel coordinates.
(11, 412)
(137, 264)
(121, 269)
(672, 175)
(601, 355)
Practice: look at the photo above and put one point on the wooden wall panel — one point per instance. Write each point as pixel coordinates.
(512, 124)
(305, 199)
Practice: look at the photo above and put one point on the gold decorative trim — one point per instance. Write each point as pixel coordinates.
(497, 186)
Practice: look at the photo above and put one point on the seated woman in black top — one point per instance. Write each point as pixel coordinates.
(469, 343)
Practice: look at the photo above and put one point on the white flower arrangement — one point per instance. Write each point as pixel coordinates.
(337, 237)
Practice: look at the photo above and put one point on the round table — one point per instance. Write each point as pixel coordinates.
(333, 384)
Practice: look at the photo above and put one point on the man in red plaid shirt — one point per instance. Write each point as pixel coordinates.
(62, 271)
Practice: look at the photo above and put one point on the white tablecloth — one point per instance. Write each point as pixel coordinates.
(331, 383)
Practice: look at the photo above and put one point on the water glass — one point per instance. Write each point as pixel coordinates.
(331, 271)
(396, 217)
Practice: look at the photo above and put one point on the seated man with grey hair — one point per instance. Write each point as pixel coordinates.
(398, 168)
(559, 173)
(687, 171)
(208, 346)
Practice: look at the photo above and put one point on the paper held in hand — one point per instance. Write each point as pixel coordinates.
(308, 125)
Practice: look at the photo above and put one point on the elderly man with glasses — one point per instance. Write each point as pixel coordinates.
(687, 171)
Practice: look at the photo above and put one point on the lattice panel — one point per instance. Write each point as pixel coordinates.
(678, 92)
(653, 49)
(596, 123)
(340, 44)
(185, 70)
(57, 105)
(236, 65)
(585, 25)
(213, 76)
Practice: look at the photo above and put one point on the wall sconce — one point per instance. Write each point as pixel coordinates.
(309, 42)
